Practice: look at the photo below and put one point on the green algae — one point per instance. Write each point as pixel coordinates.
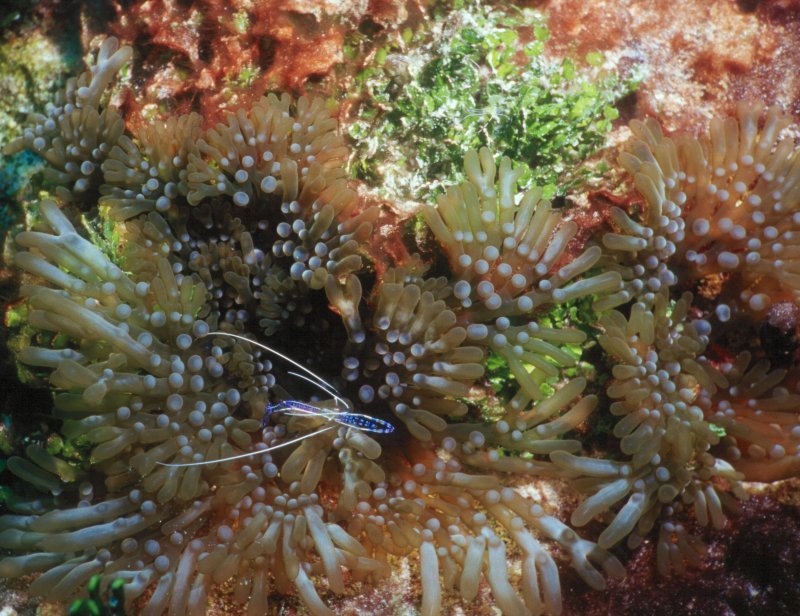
(479, 77)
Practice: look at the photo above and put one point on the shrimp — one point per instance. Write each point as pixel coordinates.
(359, 421)
(343, 417)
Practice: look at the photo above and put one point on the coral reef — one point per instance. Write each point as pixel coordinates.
(161, 255)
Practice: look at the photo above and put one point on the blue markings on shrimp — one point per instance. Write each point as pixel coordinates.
(364, 422)
(358, 421)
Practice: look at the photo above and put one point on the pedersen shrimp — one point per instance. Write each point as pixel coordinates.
(343, 416)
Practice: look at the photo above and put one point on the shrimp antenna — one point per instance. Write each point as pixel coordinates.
(318, 380)
(323, 388)
(250, 454)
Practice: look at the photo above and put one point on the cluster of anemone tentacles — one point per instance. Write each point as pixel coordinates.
(250, 227)
(721, 211)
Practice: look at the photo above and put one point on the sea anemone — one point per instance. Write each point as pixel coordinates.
(673, 402)
(251, 228)
(758, 414)
(725, 206)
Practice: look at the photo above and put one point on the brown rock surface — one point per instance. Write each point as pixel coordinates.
(699, 57)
